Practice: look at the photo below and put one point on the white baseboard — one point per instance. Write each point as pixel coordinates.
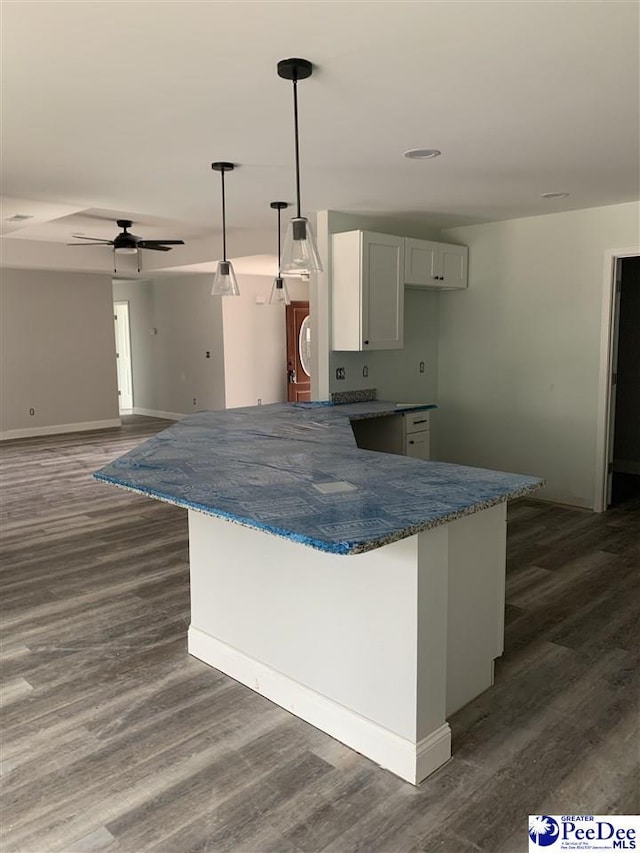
(411, 761)
(154, 413)
(561, 500)
(59, 429)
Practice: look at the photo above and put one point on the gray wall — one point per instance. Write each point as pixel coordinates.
(170, 367)
(518, 367)
(244, 336)
(189, 324)
(58, 349)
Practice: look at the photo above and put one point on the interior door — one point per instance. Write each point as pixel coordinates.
(123, 355)
(298, 352)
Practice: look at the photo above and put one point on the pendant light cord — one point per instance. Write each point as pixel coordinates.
(224, 222)
(295, 123)
(279, 240)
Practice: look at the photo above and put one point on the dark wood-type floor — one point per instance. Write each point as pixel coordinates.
(115, 739)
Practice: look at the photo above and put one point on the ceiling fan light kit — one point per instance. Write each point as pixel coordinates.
(126, 243)
(225, 282)
(279, 292)
(300, 254)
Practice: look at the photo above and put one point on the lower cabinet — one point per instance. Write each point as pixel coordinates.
(416, 435)
(404, 434)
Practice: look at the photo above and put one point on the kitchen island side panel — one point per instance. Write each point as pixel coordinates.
(332, 639)
(346, 627)
(476, 601)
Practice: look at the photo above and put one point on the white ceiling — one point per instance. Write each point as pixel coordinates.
(117, 109)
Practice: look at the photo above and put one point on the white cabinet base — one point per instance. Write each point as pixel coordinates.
(366, 647)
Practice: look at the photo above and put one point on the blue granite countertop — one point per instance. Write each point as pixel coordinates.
(267, 467)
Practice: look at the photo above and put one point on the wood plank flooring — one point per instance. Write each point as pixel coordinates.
(115, 739)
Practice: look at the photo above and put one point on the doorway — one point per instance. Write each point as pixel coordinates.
(618, 469)
(298, 325)
(625, 475)
(123, 356)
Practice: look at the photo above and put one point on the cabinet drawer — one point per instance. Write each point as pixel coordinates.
(417, 445)
(416, 422)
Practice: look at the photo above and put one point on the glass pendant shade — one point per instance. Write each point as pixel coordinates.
(279, 293)
(224, 281)
(300, 254)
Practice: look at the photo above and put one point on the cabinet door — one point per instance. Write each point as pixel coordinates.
(438, 266)
(382, 291)
(453, 266)
(421, 263)
(417, 445)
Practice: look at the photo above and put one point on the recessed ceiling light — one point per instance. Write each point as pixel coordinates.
(19, 217)
(554, 195)
(422, 153)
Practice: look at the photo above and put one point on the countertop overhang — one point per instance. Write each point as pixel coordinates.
(261, 467)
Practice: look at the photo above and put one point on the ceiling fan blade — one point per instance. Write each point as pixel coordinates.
(155, 248)
(95, 239)
(147, 244)
(105, 243)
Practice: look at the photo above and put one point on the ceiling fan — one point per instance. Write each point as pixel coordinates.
(126, 243)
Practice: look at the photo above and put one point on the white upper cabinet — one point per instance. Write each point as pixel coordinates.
(440, 266)
(367, 279)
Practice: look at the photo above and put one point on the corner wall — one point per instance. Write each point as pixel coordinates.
(396, 373)
(255, 344)
(58, 352)
(519, 356)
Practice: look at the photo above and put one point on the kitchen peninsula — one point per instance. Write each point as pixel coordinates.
(362, 591)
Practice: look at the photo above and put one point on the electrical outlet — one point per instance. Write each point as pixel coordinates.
(365, 371)
(207, 354)
(340, 373)
(422, 367)
(259, 401)
(195, 401)
(32, 411)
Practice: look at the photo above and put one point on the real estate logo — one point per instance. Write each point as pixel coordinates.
(543, 830)
(583, 832)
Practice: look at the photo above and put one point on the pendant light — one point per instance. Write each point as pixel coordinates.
(279, 292)
(300, 255)
(224, 281)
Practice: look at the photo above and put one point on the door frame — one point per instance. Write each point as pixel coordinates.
(124, 303)
(608, 332)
